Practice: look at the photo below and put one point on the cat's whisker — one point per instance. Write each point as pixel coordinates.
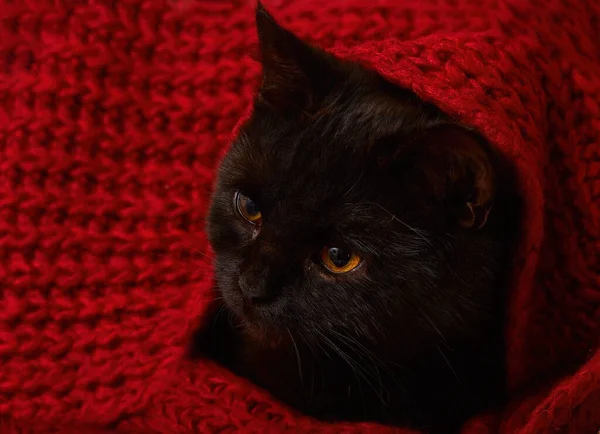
(356, 367)
(196, 250)
(313, 360)
(448, 363)
(371, 359)
(308, 345)
(414, 230)
(232, 320)
(437, 330)
(297, 356)
(201, 265)
(365, 351)
(340, 353)
(353, 186)
(219, 312)
(360, 349)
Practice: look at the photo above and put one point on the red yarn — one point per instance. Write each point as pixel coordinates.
(112, 119)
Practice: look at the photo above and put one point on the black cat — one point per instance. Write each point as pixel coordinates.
(361, 240)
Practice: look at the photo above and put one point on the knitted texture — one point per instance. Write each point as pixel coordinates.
(113, 116)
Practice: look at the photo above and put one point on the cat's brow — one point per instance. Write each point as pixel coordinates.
(421, 234)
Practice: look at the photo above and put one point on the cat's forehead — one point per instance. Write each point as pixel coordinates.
(323, 155)
(303, 158)
(296, 179)
(333, 143)
(349, 119)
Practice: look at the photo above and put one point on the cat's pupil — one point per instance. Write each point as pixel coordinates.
(251, 207)
(339, 257)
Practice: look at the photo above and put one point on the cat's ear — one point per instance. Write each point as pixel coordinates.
(295, 74)
(473, 177)
(457, 167)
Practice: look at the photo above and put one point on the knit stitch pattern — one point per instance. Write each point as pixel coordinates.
(113, 117)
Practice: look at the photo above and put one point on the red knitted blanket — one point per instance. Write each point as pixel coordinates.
(112, 117)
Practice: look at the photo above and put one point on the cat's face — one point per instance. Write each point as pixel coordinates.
(336, 212)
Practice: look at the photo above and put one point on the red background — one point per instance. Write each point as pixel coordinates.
(112, 119)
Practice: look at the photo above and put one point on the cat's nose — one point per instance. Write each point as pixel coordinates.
(254, 289)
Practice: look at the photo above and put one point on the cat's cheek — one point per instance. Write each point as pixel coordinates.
(219, 230)
(229, 234)
(254, 231)
(240, 231)
(226, 275)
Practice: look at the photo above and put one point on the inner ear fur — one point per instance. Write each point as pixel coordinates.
(471, 181)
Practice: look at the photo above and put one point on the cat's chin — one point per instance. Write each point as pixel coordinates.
(265, 337)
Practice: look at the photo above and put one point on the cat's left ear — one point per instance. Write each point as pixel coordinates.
(295, 74)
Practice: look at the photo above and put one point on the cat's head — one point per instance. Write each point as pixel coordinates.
(347, 207)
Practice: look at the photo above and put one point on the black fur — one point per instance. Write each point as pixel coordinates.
(334, 154)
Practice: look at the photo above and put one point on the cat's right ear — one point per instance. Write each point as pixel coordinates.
(295, 74)
(454, 165)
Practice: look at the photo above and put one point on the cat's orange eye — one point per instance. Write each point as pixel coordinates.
(247, 208)
(339, 260)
